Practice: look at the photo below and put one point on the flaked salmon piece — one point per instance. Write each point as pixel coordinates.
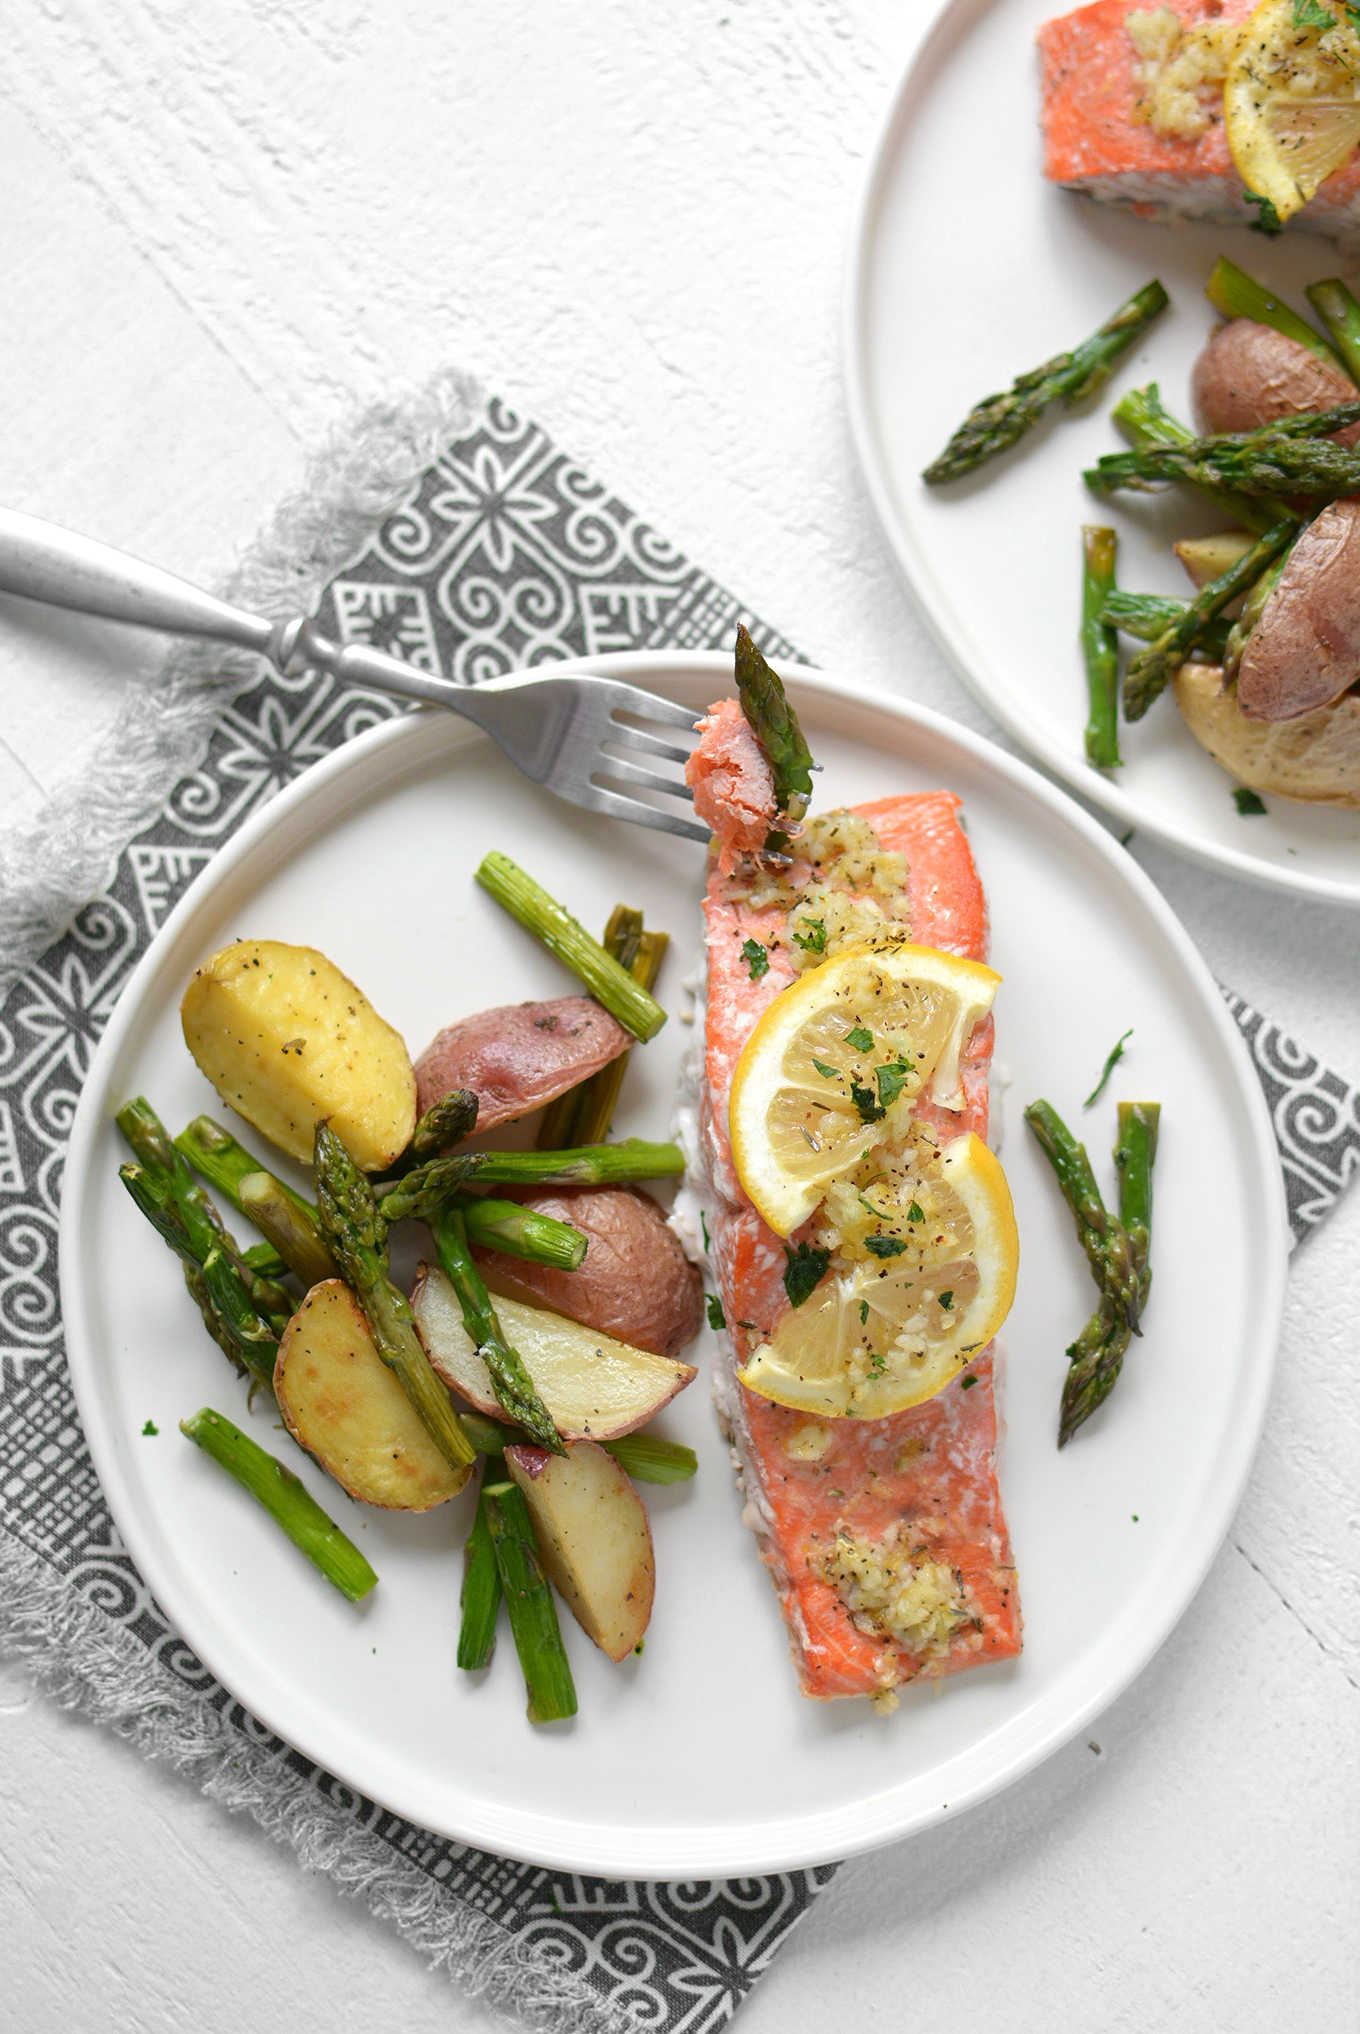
(732, 782)
(1093, 143)
(852, 1513)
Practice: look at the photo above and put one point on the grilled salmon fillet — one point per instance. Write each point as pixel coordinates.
(905, 1509)
(1092, 142)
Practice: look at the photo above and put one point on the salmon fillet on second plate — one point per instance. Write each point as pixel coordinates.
(1098, 83)
(885, 1538)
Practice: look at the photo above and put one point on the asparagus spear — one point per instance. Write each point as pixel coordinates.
(1000, 421)
(533, 1616)
(1148, 615)
(215, 1154)
(1340, 313)
(1141, 417)
(1291, 456)
(514, 1388)
(774, 724)
(428, 1187)
(542, 915)
(583, 1115)
(1097, 1355)
(521, 1232)
(1235, 294)
(1150, 671)
(155, 1151)
(646, 1457)
(1109, 1251)
(294, 1229)
(285, 1498)
(481, 1598)
(215, 1279)
(1099, 647)
(356, 1237)
(445, 1123)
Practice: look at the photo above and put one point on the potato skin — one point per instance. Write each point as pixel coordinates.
(286, 1040)
(1304, 652)
(1315, 759)
(635, 1282)
(1249, 375)
(519, 1056)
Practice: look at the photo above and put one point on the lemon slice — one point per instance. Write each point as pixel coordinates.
(1291, 103)
(836, 1062)
(880, 1334)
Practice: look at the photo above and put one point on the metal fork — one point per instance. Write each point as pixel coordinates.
(583, 738)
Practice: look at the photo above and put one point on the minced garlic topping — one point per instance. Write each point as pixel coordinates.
(893, 1589)
(843, 889)
(1181, 71)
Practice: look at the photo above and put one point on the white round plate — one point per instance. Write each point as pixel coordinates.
(966, 267)
(700, 1759)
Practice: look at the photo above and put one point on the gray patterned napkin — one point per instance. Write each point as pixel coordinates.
(504, 554)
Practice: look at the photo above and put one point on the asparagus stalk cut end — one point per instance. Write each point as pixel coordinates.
(286, 1498)
(542, 915)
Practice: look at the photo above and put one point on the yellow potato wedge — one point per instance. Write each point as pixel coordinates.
(286, 1040)
(595, 1539)
(343, 1404)
(592, 1385)
(1315, 758)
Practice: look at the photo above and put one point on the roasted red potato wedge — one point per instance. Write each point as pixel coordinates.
(595, 1539)
(592, 1384)
(340, 1400)
(635, 1283)
(1304, 652)
(520, 1056)
(1249, 375)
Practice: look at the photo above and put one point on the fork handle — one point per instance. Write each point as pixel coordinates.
(42, 561)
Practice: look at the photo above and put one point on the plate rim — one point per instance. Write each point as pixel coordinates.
(944, 28)
(789, 1843)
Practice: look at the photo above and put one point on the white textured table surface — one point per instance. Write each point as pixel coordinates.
(227, 224)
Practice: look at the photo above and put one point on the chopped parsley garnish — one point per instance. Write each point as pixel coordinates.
(814, 939)
(883, 1245)
(916, 1213)
(1312, 14)
(1247, 803)
(716, 1317)
(704, 1227)
(863, 1312)
(1115, 1055)
(1352, 15)
(1267, 219)
(828, 1073)
(804, 1272)
(947, 1301)
(878, 1363)
(151, 1428)
(891, 1081)
(757, 958)
(968, 1382)
(860, 1040)
(863, 1099)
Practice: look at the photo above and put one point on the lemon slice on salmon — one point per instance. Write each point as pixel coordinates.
(1291, 101)
(836, 1062)
(922, 1285)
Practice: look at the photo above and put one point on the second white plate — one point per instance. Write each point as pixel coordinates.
(966, 268)
(700, 1759)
